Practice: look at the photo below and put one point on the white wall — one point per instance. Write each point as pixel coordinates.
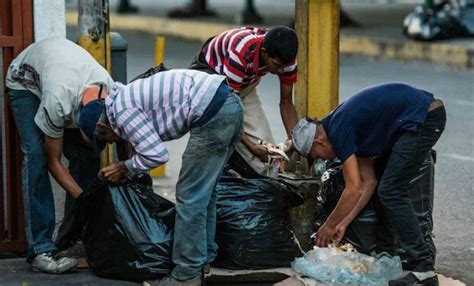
(49, 19)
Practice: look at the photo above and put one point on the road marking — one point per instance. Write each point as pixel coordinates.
(457, 157)
(464, 103)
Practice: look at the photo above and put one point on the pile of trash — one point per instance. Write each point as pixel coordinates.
(445, 20)
(343, 265)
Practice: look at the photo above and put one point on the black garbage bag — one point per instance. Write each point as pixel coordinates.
(128, 230)
(371, 226)
(443, 21)
(253, 224)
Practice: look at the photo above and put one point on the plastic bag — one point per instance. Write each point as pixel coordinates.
(334, 267)
(253, 228)
(128, 230)
(445, 20)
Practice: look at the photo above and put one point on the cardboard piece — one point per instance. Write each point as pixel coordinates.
(283, 277)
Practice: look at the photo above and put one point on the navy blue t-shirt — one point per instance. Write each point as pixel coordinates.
(369, 123)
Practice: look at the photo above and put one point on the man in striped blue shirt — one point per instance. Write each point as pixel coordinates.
(163, 107)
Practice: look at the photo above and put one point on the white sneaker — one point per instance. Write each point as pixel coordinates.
(49, 263)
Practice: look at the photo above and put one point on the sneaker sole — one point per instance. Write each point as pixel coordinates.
(66, 268)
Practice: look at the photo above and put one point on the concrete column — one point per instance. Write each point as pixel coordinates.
(49, 19)
(317, 26)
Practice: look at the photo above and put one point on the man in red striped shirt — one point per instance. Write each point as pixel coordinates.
(244, 55)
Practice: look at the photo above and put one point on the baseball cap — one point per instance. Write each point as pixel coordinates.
(88, 118)
(302, 136)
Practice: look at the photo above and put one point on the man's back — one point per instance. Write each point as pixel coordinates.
(236, 54)
(57, 71)
(55, 65)
(368, 123)
(172, 100)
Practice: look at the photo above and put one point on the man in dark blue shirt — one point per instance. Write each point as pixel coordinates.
(394, 120)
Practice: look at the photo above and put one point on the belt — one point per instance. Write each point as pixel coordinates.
(437, 103)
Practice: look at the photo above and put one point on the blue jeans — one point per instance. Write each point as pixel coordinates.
(38, 198)
(208, 149)
(406, 158)
(37, 192)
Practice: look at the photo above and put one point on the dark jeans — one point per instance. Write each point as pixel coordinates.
(38, 198)
(406, 158)
(84, 166)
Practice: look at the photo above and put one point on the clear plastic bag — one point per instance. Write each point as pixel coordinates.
(334, 266)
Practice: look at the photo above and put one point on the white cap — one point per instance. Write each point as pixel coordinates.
(303, 135)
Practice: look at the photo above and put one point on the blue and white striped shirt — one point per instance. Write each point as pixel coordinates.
(159, 108)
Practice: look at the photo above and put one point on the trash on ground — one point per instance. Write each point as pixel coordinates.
(446, 20)
(344, 265)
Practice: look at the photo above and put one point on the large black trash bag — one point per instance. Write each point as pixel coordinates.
(443, 21)
(128, 230)
(253, 224)
(371, 225)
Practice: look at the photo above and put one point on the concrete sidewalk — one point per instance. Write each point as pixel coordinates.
(379, 36)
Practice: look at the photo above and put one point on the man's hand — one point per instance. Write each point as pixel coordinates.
(325, 235)
(340, 231)
(260, 152)
(114, 172)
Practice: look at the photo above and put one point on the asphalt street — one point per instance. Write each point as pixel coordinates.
(454, 191)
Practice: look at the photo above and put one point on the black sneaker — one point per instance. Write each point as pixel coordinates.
(411, 279)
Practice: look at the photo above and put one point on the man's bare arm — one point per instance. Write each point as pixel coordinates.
(287, 108)
(54, 150)
(258, 150)
(369, 183)
(350, 196)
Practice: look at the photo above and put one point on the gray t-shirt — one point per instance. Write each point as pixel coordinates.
(57, 71)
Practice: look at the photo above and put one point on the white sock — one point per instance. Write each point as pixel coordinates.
(424, 275)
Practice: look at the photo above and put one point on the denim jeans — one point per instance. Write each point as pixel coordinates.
(84, 165)
(37, 192)
(406, 158)
(38, 198)
(208, 149)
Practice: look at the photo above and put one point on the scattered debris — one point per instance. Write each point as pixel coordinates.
(345, 265)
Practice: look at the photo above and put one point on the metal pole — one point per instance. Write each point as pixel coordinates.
(317, 26)
(317, 89)
(94, 36)
(159, 171)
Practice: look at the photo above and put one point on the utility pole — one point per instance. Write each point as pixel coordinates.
(94, 36)
(317, 26)
(94, 31)
(317, 89)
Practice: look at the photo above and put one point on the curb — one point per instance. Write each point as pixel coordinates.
(377, 47)
(437, 53)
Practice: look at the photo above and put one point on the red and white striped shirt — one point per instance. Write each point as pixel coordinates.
(235, 53)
